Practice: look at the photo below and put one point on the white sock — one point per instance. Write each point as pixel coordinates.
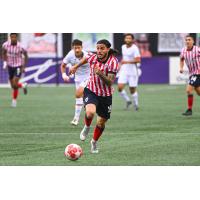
(135, 99)
(124, 95)
(78, 107)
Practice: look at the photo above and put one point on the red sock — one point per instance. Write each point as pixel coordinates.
(97, 133)
(190, 101)
(19, 85)
(15, 93)
(88, 121)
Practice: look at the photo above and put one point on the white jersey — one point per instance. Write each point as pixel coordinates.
(128, 54)
(83, 72)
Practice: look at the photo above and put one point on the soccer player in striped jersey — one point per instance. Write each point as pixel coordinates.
(14, 59)
(191, 56)
(98, 92)
(81, 75)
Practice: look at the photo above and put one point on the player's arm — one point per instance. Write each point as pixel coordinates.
(63, 71)
(181, 65)
(108, 80)
(4, 57)
(76, 66)
(134, 61)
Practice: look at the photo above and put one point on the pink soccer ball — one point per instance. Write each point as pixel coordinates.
(73, 152)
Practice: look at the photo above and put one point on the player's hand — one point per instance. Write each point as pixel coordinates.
(97, 70)
(4, 65)
(181, 71)
(72, 70)
(124, 62)
(65, 77)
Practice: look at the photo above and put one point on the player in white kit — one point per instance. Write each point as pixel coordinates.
(81, 75)
(128, 73)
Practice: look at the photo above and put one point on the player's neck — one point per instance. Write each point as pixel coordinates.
(129, 45)
(190, 48)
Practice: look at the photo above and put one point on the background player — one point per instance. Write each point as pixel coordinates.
(14, 59)
(191, 55)
(81, 75)
(98, 93)
(128, 71)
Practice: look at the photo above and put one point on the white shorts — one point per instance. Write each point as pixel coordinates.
(81, 83)
(131, 80)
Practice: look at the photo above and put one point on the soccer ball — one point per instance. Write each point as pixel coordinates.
(73, 152)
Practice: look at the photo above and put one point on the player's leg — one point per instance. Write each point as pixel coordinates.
(79, 103)
(133, 83)
(90, 102)
(189, 91)
(122, 80)
(197, 89)
(104, 109)
(15, 93)
(100, 126)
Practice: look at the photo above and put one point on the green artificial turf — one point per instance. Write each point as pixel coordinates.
(38, 130)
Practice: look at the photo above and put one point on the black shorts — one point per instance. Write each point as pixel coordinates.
(103, 104)
(194, 80)
(14, 72)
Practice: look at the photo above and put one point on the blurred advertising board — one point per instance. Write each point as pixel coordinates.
(42, 45)
(175, 77)
(171, 42)
(198, 39)
(90, 39)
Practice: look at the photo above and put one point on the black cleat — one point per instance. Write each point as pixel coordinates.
(128, 103)
(188, 112)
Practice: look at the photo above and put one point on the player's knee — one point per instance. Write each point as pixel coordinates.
(90, 114)
(78, 95)
(101, 124)
(15, 86)
(189, 92)
(120, 89)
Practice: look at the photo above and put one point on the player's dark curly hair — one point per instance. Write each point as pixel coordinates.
(77, 42)
(13, 34)
(108, 45)
(129, 34)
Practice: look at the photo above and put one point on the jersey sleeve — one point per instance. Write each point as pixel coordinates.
(114, 66)
(4, 46)
(89, 56)
(66, 59)
(136, 52)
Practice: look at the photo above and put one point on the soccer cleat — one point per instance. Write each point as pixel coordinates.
(94, 147)
(74, 122)
(25, 85)
(128, 103)
(188, 112)
(136, 108)
(14, 103)
(84, 133)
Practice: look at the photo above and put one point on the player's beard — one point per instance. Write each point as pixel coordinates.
(102, 59)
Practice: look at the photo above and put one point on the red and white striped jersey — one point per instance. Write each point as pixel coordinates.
(95, 83)
(14, 54)
(192, 59)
